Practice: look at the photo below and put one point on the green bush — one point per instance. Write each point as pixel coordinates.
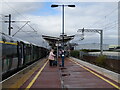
(88, 50)
(75, 53)
(101, 61)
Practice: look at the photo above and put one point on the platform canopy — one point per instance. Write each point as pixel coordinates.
(55, 40)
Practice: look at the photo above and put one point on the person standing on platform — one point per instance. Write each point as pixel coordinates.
(60, 53)
(51, 57)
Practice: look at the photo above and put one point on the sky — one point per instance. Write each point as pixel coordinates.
(48, 21)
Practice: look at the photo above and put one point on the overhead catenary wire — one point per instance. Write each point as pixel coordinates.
(110, 25)
(31, 27)
(26, 31)
(21, 15)
(7, 3)
(114, 10)
(35, 30)
(28, 34)
(19, 29)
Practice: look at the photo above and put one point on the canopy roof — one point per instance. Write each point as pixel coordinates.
(53, 40)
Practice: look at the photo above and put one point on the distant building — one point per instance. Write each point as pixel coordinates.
(114, 47)
(72, 46)
(91, 46)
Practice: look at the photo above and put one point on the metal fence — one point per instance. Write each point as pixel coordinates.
(115, 56)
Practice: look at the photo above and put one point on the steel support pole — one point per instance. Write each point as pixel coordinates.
(101, 42)
(9, 24)
(57, 50)
(63, 35)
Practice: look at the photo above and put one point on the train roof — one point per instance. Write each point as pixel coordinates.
(7, 38)
(14, 39)
(20, 40)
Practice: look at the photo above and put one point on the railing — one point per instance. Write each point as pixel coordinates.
(109, 55)
(109, 60)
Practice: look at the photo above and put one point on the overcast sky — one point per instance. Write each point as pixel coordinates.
(47, 21)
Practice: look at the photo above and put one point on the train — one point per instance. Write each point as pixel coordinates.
(17, 54)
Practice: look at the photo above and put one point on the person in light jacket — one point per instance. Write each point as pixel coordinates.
(51, 57)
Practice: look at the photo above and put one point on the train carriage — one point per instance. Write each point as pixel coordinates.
(17, 54)
(9, 54)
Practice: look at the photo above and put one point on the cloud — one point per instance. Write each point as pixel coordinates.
(17, 8)
(87, 15)
(63, 1)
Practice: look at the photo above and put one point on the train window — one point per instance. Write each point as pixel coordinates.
(11, 40)
(28, 50)
(0, 37)
(3, 39)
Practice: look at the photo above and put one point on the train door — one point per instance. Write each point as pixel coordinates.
(20, 54)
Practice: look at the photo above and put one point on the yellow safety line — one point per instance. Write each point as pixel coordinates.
(34, 79)
(1, 42)
(8, 43)
(97, 75)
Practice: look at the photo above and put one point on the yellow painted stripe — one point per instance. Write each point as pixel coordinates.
(34, 79)
(97, 75)
(25, 77)
(11, 43)
(8, 43)
(1, 42)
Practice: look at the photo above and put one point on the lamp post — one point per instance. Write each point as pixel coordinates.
(63, 28)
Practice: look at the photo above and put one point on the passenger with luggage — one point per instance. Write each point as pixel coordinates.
(51, 58)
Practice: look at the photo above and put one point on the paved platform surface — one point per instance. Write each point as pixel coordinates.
(48, 78)
(73, 75)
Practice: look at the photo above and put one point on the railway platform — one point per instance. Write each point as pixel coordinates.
(73, 75)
